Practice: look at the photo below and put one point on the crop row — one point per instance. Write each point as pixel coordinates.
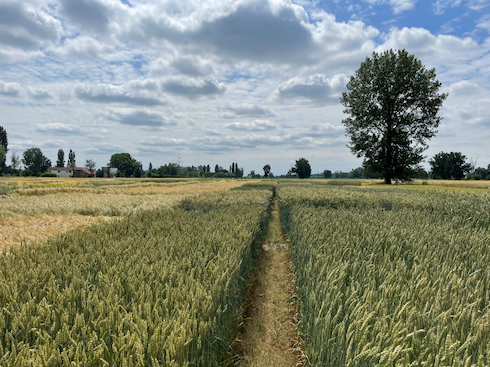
(390, 277)
(160, 287)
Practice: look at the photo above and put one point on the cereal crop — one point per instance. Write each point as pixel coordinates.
(390, 277)
(162, 287)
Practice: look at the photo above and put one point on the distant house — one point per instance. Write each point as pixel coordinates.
(68, 171)
(61, 171)
(109, 171)
(83, 172)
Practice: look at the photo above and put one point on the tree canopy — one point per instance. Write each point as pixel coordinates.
(60, 162)
(34, 160)
(3, 147)
(267, 170)
(125, 164)
(449, 166)
(302, 168)
(71, 159)
(393, 102)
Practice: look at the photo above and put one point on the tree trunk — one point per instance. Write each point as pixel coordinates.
(388, 180)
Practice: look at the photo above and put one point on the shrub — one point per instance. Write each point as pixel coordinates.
(48, 174)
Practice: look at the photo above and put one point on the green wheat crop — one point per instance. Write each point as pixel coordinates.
(390, 277)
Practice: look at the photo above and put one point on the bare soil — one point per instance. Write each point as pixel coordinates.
(268, 336)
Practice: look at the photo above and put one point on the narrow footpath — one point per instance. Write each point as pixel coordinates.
(268, 337)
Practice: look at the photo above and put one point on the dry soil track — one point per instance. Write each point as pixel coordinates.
(268, 336)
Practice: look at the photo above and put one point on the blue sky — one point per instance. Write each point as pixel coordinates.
(216, 82)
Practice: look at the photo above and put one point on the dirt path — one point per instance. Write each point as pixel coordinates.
(268, 337)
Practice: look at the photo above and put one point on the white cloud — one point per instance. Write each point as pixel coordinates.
(106, 149)
(436, 49)
(57, 128)
(440, 6)
(9, 89)
(141, 117)
(325, 130)
(25, 27)
(247, 110)
(484, 22)
(192, 88)
(398, 6)
(39, 93)
(192, 66)
(91, 15)
(257, 125)
(317, 88)
(83, 47)
(108, 93)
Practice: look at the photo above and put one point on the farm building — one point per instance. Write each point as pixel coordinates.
(83, 172)
(61, 171)
(68, 171)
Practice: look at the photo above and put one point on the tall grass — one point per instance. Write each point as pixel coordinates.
(391, 277)
(157, 288)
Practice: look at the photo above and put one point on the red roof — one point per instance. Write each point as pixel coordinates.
(83, 169)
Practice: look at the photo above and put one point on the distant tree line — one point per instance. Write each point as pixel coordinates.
(447, 166)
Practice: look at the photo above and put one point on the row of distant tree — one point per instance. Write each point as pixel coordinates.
(445, 166)
(453, 165)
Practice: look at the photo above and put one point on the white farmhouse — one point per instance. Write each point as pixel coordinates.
(61, 171)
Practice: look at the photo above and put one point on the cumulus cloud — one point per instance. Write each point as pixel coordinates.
(247, 110)
(23, 26)
(465, 88)
(9, 89)
(192, 87)
(257, 125)
(39, 93)
(57, 128)
(468, 103)
(141, 117)
(145, 84)
(260, 31)
(9, 54)
(438, 49)
(91, 15)
(83, 47)
(317, 88)
(108, 93)
(192, 66)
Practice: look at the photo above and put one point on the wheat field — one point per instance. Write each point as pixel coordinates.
(389, 276)
(33, 209)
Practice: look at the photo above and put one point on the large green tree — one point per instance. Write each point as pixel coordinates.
(34, 160)
(302, 168)
(125, 164)
(449, 166)
(393, 102)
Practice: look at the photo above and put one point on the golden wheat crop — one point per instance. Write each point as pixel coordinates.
(157, 288)
(33, 209)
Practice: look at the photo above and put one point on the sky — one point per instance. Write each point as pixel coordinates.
(215, 82)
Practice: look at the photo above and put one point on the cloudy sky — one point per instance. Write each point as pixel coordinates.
(222, 81)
